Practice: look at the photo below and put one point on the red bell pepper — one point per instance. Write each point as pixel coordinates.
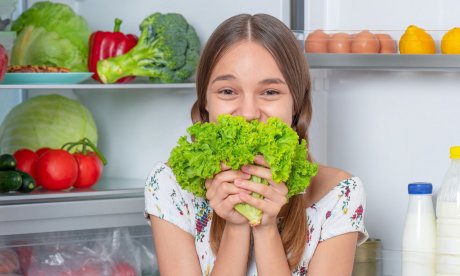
(3, 61)
(104, 45)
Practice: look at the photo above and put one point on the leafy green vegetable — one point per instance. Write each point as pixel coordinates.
(167, 51)
(51, 34)
(234, 141)
(46, 121)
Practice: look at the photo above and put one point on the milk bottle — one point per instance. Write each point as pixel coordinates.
(419, 238)
(448, 219)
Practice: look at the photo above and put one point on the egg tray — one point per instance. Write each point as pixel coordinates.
(359, 41)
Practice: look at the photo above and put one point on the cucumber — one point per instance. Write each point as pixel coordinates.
(7, 162)
(27, 184)
(9, 181)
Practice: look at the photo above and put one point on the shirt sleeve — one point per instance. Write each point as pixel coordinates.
(165, 199)
(346, 213)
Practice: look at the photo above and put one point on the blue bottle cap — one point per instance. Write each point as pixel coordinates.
(420, 188)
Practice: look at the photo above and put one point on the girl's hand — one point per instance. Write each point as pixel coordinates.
(275, 194)
(223, 195)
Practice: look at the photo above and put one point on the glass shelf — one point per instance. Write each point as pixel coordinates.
(106, 188)
(435, 62)
(110, 203)
(87, 86)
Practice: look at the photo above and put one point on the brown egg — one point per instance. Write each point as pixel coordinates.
(339, 43)
(316, 42)
(365, 42)
(387, 44)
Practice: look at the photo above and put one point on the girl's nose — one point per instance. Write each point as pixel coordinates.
(249, 109)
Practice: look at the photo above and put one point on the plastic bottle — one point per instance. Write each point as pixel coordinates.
(419, 238)
(448, 219)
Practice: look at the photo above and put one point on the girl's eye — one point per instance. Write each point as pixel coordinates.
(226, 92)
(271, 92)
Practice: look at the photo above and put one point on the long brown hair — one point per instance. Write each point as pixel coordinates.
(285, 49)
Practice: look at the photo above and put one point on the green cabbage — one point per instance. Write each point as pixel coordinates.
(234, 141)
(51, 34)
(46, 121)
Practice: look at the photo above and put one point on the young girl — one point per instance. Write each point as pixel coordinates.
(253, 66)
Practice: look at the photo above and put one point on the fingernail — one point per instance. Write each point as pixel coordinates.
(238, 182)
(245, 168)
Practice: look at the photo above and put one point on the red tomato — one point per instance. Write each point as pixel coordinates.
(41, 151)
(26, 161)
(123, 269)
(57, 170)
(89, 169)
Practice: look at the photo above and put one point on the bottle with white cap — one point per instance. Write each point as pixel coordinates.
(448, 219)
(419, 238)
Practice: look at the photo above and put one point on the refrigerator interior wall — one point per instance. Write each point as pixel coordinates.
(381, 15)
(388, 127)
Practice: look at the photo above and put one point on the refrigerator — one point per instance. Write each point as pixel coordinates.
(389, 119)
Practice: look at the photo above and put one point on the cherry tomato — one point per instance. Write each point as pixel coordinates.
(89, 169)
(26, 161)
(57, 170)
(41, 151)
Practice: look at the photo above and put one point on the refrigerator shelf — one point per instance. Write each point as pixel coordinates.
(111, 203)
(94, 85)
(389, 62)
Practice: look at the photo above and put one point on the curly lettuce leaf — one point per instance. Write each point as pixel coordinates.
(302, 172)
(235, 142)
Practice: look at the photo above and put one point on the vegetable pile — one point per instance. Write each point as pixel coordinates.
(46, 121)
(53, 169)
(235, 142)
(51, 34)
(167, 51)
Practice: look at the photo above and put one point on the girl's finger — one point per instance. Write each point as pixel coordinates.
(259, 171)
(267, 191)
(255, 202)
(229, 203)
(224, 167)
(229, 176)
(280, 187)
(223, 191)
(260, 160)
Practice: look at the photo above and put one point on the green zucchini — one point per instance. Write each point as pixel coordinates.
(9, 181)
(27, 184)
(7, 162)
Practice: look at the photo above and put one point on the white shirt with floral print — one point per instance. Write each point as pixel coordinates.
(338, 212)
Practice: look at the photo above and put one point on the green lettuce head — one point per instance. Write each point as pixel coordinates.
(235, 142)
(51, 34)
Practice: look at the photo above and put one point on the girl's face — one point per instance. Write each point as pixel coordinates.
(246, 82)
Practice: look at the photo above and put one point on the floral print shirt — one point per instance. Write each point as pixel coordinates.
(338, 212)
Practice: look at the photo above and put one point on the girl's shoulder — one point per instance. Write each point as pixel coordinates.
(326, 181)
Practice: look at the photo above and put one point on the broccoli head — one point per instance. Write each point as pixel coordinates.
(167, 51)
